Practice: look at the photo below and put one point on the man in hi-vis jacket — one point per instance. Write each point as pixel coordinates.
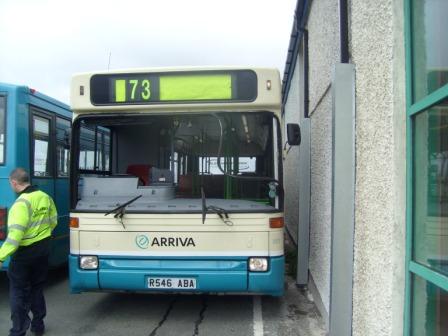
(31, 220)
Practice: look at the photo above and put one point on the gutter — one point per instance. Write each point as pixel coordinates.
(300, 19)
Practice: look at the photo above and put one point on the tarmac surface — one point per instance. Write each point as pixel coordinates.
(177, 315)
(110, 314)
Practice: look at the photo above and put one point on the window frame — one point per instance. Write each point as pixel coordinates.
(53, 140)
(56, 143)
(37, 112)
(413, 108)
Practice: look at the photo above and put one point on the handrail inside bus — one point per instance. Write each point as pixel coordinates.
(253, 178)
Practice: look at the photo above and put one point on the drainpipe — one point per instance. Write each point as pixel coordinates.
(343, 30)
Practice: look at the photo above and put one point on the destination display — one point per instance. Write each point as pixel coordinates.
(173, 87)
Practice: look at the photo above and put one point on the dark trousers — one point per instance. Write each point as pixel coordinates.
(26, 282)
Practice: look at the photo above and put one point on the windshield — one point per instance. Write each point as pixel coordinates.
(170, 160)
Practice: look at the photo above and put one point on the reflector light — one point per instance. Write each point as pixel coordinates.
(74, 222)
(276, 222)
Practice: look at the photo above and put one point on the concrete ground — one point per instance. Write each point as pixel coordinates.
(295, 314)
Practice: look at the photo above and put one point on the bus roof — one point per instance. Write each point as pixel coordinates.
(35, 97)
(83, 86)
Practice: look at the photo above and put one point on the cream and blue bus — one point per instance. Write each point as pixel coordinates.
(176, 181)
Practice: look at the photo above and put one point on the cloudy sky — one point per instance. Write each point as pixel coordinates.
(44, 42)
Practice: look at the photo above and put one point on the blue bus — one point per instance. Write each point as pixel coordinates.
(34, 134)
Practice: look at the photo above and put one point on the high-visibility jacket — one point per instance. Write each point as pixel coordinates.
(32, 218)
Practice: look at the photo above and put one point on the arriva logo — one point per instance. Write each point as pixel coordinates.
(142, 241)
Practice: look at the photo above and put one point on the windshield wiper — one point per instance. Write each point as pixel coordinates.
(120, 210)
(222, 213)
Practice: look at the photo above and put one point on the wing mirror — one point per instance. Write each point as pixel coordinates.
(294, 135)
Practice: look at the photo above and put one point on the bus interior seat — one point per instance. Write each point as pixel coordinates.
(142, 171)
(185, 186)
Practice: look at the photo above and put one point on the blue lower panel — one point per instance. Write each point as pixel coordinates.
(271, 282)
(59, 251)
(206, 281)
(81, 280)
(210, 275)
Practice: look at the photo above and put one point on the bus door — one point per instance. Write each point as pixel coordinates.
(42, 172)
(42, 158)
(62, 152)
(61, 183)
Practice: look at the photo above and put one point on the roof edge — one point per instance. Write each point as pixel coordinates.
(300, 20)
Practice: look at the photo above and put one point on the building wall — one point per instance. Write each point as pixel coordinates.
(323, 37)
(320, 203)
(377, 51)
(376, 35)
(290, 171)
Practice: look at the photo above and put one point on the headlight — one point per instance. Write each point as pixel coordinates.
(88, 262)
(258, 264)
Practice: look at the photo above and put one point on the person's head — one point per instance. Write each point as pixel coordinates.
(19, 179)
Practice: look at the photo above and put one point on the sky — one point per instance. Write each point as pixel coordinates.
(44, 42)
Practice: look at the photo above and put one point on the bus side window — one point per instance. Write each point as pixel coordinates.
(95, 147)
(87, 148)
(41, 144)
(62, 146)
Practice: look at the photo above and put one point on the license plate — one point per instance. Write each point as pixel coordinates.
(172, 283)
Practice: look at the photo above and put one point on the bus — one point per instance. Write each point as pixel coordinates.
(34, 134)
(176, 181)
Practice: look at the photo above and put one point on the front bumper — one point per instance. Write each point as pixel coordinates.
(212, 275)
